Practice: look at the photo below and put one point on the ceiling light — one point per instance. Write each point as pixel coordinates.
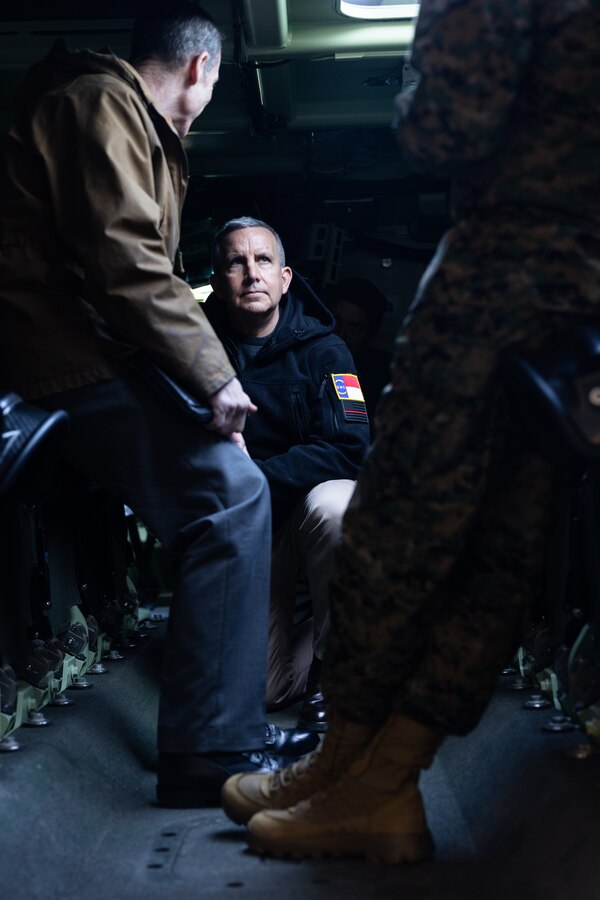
(378, 9)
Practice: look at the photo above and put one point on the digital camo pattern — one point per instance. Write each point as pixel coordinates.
(507, 101)
(443, 545)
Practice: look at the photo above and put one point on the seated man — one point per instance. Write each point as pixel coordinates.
(309, 436)
(358, 306)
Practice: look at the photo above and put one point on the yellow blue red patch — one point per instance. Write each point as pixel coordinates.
(349, 393)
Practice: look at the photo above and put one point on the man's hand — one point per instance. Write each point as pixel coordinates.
(238, 438)
(230, 406)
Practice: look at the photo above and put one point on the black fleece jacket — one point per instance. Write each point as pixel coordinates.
(303, 433)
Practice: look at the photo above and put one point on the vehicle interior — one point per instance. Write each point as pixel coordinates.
(298, 134)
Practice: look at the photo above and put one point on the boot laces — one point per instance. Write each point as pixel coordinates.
(284, 778)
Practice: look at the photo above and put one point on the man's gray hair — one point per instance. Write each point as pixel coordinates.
(237, 225)
(171, 32)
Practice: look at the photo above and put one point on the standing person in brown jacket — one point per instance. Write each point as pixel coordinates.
(93, 179)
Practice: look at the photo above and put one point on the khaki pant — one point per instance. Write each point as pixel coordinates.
(303, 549)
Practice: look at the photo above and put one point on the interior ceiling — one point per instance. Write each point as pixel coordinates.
(298, 131)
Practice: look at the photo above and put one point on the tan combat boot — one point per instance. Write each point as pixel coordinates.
(374, 809)
(244, 794)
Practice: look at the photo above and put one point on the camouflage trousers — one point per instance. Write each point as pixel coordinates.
(443, 543)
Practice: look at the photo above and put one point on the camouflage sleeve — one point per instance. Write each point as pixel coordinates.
(466, 63)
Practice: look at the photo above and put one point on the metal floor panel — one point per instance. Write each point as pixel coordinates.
(513, 817)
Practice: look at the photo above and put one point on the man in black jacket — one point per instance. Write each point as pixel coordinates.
(309, 436)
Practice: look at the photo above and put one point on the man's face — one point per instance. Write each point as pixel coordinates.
(251, 280)
(199, 78)
(208, 77)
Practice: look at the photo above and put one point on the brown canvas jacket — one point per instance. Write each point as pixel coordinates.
(92, 179)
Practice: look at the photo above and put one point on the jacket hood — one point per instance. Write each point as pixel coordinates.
(302, 315)
(61, 66)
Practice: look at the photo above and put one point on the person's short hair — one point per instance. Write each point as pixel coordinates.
(364, 294)
(171, 32)
(237, 225)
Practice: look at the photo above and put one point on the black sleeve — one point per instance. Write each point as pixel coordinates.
(337, 430)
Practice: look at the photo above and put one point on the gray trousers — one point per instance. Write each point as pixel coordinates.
(202, 497)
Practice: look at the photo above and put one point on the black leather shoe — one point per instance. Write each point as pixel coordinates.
(192, 780)
(290, 743)
(313, 714)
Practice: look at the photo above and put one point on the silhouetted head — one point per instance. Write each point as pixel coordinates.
(358, 306)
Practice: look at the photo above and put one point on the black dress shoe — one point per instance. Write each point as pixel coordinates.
(313, 714)
(193, 780)
(290, 743)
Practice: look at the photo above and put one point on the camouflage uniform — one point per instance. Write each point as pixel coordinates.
(443, 543)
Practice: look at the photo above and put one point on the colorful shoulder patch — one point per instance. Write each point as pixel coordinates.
(349, 393)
